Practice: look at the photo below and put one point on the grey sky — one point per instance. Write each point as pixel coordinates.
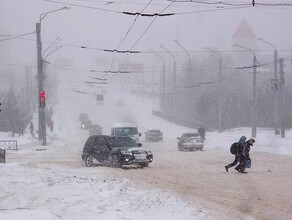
(105, 30)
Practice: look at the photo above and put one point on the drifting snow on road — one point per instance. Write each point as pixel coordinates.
(66, 189)
(53, 182)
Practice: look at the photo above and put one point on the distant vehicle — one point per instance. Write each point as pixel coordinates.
(83, 117)
(95, 130)
(119, 103)
(115, 151)
(99, 99)
(153, 135)
(85, 125)
(126, 129)
(190, 141)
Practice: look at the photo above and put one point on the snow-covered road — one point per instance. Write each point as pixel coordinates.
(52, 182)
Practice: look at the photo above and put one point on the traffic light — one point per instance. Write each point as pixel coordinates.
(0, 106)
(42, 99)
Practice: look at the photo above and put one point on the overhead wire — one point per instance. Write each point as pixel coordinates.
(132, 25)
(251, 3)
(18, 36)
(147, 28)
(84, 6)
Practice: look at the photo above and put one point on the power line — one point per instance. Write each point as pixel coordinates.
(250, 3)
(83, 6)
(147, 28)
(131, 27)
(17, 36)
(82, 46)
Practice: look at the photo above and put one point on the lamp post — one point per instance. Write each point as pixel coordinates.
(174, 65)
(254, 96)
(162, 79)
(220, 90)
(276, 96)
(190, 62)
(173, 78)
(41, 78)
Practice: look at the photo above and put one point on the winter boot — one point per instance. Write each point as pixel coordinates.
(238, 169)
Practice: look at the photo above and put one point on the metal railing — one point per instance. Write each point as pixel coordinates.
(8, 145)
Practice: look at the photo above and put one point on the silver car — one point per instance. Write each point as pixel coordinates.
(190, 141)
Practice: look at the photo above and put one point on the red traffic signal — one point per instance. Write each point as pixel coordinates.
(42, 98)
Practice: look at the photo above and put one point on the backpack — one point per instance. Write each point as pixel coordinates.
(233, 148)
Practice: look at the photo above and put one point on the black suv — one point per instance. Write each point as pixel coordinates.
(115, 151)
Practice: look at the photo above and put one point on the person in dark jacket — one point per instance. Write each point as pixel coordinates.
(238, 153)
(31, 128)
(201, 131)
(245, 155)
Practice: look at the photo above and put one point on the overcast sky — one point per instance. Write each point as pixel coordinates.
(106, 29)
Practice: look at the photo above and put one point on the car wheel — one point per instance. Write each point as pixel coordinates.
(89, 161)
(144, 165)
(115, 161)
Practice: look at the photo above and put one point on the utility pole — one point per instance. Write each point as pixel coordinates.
(27, 88)
(40, 77)
(276, 96)
(153, 81)
(174, 66)
(254, 95)
(220, 98)
(282, 109)
(254, 98)
(173, 79)
(190, 62)
(220, 95)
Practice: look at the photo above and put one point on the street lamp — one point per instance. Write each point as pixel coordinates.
(162, 79)
(254, 97)
(190, 64)
(276, 96)
(173, 81)
(40, 78)
(220, 89)
(174, 65)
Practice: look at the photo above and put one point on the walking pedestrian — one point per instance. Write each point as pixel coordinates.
(236, 149)
(31, 128)
(245, 160)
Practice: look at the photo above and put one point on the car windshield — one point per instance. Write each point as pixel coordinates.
(125, 131)
(122, 142)
(154, 131)
(191, 135)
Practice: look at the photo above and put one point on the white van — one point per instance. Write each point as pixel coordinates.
(126, 129)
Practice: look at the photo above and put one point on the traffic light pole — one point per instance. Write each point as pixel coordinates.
(282, 110)
(40, 77)
(254, 99)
